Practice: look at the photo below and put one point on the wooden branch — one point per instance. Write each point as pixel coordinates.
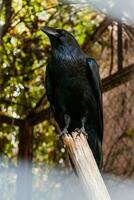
(118, 78)
(33, 119)
(40, 104)
(10, 120)
(91, 39)
(86, 166)
(36, 118)
(11, 102)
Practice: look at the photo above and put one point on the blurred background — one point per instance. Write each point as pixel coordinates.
(28, 131)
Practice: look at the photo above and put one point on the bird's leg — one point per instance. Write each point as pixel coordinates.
(83, 120)
(82, 129)
(67, 120)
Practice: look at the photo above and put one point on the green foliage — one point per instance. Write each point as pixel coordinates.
(48, 147)
(8, 141)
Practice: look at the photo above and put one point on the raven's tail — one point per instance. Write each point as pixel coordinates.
(96, 147)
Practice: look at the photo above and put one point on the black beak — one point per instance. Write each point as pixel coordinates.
(50, 31)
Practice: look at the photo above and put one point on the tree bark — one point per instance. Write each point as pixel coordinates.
(86, 166)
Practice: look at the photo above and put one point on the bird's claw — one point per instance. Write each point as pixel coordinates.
(63, 133)
(79, 131)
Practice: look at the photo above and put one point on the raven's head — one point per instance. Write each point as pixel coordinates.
(61, 40)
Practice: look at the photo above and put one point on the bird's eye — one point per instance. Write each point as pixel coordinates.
(61, 33)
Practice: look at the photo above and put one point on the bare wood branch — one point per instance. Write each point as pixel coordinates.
(10, 120)
(40, 104)
(118, 78)
(11, 102)
(86, 166)
(91, 39)
(33, 118)
(36, 118)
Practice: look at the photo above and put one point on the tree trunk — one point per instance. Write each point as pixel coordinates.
(24, 173)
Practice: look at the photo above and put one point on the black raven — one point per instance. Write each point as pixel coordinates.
(74, 89)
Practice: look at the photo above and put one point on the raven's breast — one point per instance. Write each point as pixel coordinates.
(76, 96)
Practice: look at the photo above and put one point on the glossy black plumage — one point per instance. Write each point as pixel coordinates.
(74, 89)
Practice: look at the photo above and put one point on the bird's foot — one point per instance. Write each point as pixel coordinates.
(63, 133)
(81, 130)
